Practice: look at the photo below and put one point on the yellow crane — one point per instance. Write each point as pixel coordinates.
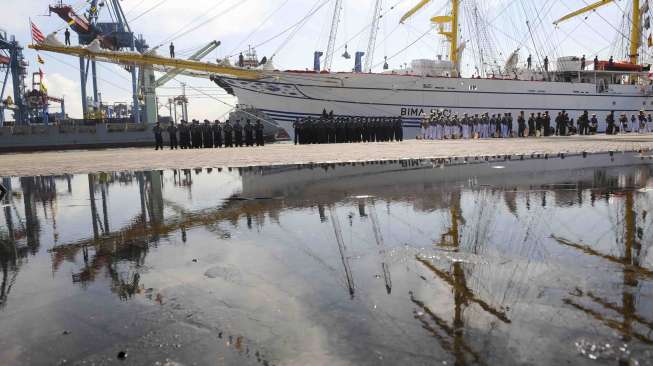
(452, 20)
(635, 30)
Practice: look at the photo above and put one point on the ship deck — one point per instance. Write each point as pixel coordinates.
(72, 162)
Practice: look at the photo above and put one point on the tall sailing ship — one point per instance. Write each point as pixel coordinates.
(429, 85)
(426, 85)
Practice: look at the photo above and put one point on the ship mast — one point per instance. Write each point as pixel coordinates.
(451, 35)
(635, 30)
(328, 59)
(635, 33)
(369, 56)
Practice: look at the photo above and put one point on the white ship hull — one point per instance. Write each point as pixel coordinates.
(286, 96)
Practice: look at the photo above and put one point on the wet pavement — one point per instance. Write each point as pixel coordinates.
(537, 261)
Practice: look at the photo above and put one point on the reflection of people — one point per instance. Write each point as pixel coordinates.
(67, 37)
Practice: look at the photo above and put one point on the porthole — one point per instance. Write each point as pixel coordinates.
(614, 103)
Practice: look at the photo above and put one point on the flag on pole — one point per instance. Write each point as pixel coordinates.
(37, 35)
(39, 59)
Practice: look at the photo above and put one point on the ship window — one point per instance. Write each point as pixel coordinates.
(473, 87)
(614, 103)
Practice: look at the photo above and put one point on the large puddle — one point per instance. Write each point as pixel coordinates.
(535, 261)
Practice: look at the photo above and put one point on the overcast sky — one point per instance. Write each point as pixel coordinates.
(238, 23)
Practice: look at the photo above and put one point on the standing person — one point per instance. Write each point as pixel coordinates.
(238, 134)
(510, 123)
(296, 129)
(623, 123)
(258, 127)
(649, 122)
(609, 120)
(172, 133)
(546, 64)
(207, 134)
(539, 123)
(531, 125)
(217, 133)
(582, 63)
(521, 125)
(634, 123)
(249, 133)
(241, 60)
(558, 122)
(399, 129)
(529, 61)
(547, 124)
(172, 50)
(584, 124)
(228, 137)
(596, 63)
(67, 37)
(611, 62)
(183, 135)
(158, 136)
(594, 124)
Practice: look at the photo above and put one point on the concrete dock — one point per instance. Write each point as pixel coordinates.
(86, 161)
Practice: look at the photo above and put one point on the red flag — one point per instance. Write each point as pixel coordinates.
(37, 35)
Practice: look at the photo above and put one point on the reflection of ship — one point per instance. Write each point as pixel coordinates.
(461, 302)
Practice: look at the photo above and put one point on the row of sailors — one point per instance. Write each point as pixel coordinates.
(345, 129)
(208, 135)
(438, 126)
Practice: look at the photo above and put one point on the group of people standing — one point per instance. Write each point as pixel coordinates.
(198, 135)
(329, 129)
(439, 126)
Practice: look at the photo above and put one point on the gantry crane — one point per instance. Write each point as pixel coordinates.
(113, 35)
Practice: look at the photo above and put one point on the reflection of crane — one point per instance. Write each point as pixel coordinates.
(632, 270)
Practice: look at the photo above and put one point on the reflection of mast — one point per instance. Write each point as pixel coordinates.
(631, 270)
(342, 249)
(463, 295)
(94, 214)
(379, 241)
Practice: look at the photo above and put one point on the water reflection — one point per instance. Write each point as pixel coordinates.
(396, 255)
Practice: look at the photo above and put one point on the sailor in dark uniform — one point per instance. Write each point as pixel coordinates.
(228, 136)
(249, 133)
(207, 134)
(258, 127)
(172, 133)
(158, 136)
(521, 124)
(531, 125)
(217, 133)
(196, 133)
(238, 134)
